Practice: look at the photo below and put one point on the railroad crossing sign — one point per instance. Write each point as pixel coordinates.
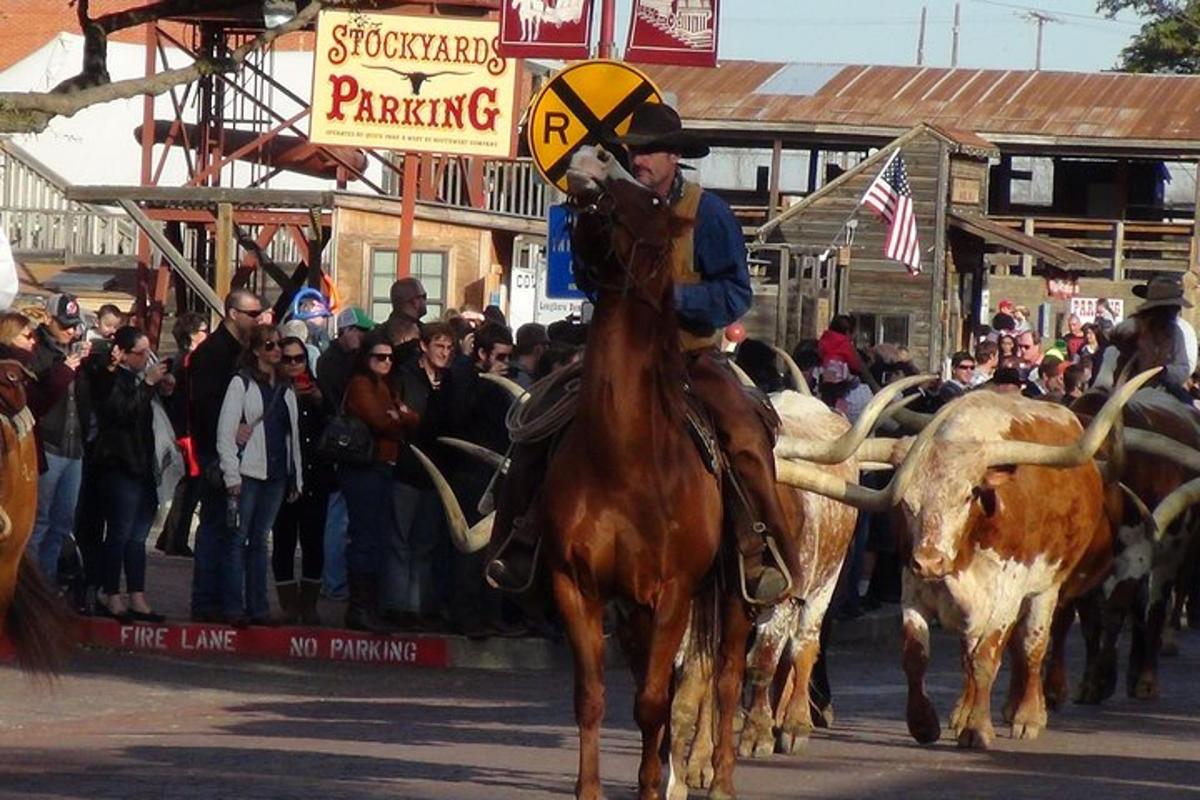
(586, 103)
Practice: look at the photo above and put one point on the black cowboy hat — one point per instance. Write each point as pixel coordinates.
(1161, 290)
(656, 126)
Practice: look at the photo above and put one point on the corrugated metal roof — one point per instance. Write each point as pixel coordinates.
(1004, 104)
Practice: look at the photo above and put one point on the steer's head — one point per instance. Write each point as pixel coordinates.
(955, 489)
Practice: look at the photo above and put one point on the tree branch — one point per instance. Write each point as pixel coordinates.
(23, 112)
(119, 20)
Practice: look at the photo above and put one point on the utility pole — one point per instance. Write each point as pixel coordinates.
(1040, 18)
(954, 40)
(608, 20)
(921, 37)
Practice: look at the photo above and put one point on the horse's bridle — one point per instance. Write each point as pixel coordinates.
(604, 207)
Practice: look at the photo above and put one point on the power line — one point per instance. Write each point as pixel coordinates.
(1072, 14)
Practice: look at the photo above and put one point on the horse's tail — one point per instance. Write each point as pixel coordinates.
(707, 607)
(39, 624)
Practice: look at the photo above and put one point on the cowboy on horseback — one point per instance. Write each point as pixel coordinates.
(712, 290)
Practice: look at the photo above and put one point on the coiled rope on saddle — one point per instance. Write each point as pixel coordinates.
(550, 404)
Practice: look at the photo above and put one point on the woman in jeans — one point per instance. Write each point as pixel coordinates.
(368, 487)
(303, 522)
(258, 438)
(126, 461)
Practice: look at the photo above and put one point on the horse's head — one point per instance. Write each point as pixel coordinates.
(623, 230)
(12, 386)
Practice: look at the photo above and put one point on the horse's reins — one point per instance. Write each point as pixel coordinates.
(630, 286)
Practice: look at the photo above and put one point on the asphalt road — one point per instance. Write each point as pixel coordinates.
(132, 726)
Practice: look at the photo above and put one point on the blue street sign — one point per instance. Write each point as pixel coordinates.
(560, 280)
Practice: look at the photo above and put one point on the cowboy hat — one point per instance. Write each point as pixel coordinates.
(1159, 291)
(657, 127)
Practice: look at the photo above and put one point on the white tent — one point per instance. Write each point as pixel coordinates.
(97, 146)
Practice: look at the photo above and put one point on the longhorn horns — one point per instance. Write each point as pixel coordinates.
(847, 444)
(466, 538)
(812, 478)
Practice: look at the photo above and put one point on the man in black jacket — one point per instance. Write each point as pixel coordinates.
(477, 413)
(208, 373)
(62, 429)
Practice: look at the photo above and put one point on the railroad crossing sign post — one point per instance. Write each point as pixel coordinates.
(585, 104)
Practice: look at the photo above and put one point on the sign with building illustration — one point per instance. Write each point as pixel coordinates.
(419, 84)
(585, 104)
(680, 32)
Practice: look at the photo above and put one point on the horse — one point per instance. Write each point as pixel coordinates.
(630, 510)
(34, 619)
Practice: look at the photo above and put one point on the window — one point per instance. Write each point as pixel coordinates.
(427, 266)
(875, 328)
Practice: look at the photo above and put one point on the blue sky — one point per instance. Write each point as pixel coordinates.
(885, 32)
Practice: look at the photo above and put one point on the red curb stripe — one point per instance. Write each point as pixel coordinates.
(299, 644)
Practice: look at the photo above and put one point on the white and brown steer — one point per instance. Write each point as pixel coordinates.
(1002, 513)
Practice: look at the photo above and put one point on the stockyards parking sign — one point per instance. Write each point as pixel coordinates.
(425, 84)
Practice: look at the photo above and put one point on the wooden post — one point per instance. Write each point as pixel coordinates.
(223, 275)
(408, 210)
(938, 309)
(776, 161)
(1027, 260)
(1118, 256)
(785, 286)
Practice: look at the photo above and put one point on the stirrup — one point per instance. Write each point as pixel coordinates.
(789, 583)
(533, 564)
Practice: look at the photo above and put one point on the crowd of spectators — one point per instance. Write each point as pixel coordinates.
(240, 424)
(237, 424)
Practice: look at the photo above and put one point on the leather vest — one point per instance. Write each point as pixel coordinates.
(683, 263)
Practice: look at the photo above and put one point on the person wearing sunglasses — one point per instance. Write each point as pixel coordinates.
(258, 439)
(371, 398)
(208, 370)
(303, 522)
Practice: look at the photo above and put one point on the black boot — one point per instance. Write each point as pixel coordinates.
(310, 593)
(289, 602)
(362, 613)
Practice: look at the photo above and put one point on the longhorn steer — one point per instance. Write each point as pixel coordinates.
(994, 538)
(779, 716)
(1146, 566)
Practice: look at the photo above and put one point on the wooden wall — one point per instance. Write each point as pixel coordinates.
(474, 268)
(875, 285)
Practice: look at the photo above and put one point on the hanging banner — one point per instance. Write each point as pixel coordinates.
(545, 28)
(680, 32)
(420, 84)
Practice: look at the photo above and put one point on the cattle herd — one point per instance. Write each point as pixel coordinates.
(1014, 517)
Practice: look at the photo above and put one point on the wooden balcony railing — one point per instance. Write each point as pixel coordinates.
(1124, 245)
(502, 186)
(38, 217)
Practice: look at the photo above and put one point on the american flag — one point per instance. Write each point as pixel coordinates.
(890, 197)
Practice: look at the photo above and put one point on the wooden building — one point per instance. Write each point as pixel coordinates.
(1019, 178)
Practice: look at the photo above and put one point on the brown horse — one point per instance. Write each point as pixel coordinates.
(31, 615)
(628, 510)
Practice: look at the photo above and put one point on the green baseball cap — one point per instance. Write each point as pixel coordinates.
(354, 317)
